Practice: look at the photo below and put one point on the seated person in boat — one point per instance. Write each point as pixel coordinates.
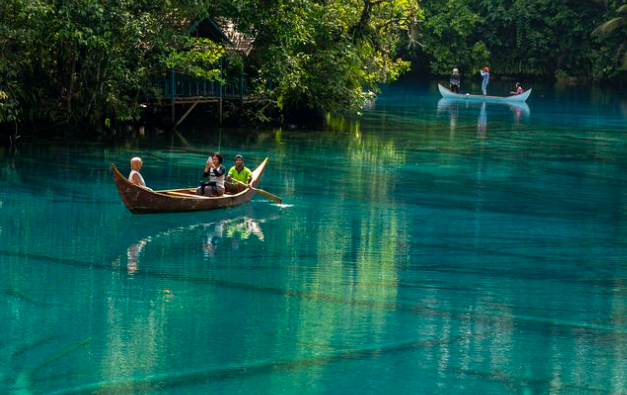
(517, 90)
(240, 173)
(135, 176)
(216, 172)
(455, 81)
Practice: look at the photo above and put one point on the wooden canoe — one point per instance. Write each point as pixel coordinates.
(140, 200)
(447, 94)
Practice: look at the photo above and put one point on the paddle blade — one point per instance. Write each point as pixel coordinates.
(269, 195)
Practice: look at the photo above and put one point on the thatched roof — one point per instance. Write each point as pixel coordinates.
(223, 31)
(239, 42)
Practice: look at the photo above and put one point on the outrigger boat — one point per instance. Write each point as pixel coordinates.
(141, 200)
(447, 94)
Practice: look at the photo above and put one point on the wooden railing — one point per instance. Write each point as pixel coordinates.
(187, 87)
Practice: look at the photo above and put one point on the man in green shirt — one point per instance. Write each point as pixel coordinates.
(240, 173)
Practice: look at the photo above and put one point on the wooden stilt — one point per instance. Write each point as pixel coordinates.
(173, 93)
(220, 111)
(185, 115)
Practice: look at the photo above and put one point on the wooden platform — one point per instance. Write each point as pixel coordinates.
(185, 91)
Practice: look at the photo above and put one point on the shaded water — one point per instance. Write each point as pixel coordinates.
(426, 247)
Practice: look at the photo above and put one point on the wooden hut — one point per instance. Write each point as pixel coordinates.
(185, 91)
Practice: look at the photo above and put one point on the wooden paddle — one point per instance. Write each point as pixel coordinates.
(260, 191)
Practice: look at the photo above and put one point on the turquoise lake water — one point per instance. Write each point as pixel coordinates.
(424, 247)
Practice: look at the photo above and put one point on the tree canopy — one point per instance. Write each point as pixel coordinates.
(90, 63)
(544, 38)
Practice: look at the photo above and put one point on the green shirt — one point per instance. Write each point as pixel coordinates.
(241, 176)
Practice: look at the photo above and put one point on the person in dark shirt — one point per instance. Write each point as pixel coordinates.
(455, 81)
(215, 171)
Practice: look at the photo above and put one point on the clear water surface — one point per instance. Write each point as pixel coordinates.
(425, 247)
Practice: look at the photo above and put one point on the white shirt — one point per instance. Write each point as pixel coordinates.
(219, 180)
(141, 179)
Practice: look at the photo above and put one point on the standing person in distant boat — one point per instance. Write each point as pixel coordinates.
(135, 176)
(517, 90)
(215, 171)
(455, 81)
(485, 79)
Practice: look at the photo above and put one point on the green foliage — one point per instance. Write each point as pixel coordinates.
(614, 24)
(90, 62)
(520, 37)
(608, 31)
(234, 63)
(197, 57)
(446, 35)
(323, 55)
(9, 106)
(82, 61)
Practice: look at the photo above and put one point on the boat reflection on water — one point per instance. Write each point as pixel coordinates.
(224, 233)
(132, 254)
(234, 230)
(482, 124)
(453, 107)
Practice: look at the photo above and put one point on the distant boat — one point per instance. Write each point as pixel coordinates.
(447, 94)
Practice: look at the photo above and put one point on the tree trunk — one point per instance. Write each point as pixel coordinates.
(71, 90)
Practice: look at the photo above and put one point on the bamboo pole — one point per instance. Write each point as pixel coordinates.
(185, 115)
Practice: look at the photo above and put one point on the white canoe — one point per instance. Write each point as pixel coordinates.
(447, 94)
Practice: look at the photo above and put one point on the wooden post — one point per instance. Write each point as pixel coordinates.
(173, 93)
(241, 86)
(185, 115)
(220, 97)
(220, 84)
(220, 111)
